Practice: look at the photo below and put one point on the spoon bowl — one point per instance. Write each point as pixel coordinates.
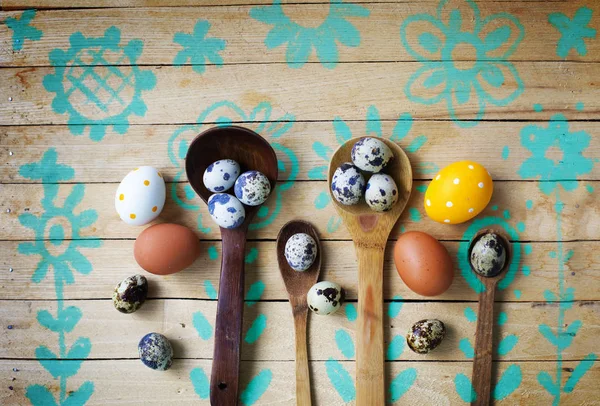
(297, 285)
(482, 364)
(251, 152)
(370, 231)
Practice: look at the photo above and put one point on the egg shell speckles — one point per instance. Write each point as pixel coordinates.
(226, 210)
(221, 175)
(325, 298)
(130, 294)
(140, 196)
(371, 155)
(425, 335)
(252, 188)
(488, 255)
(458, 193)
(156, 352)
(300, 251)
(347, 184)
(381, 193)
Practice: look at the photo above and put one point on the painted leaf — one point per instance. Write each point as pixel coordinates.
(508, 382)
(344, 343)
(340, 379)
(395, 348)
(256, 329)
(342, 131)
(69, 317)
(257, 387)
(507, 344)
(80, 349)
(202, 326)
(80, 396)
(464, 388)
(402, 383)
(200, 382)
(548, 334)
(39, 395)
(579, 371)
(546, 381)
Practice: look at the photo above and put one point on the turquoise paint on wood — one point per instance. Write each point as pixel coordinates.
(256, 329)
(538, 108)
(470, 315)
(198, 49)
(256, 387)
(464, 388)
(202, 326)
(22, 29)
(67, 361)
(344, 343)
(402, 383)
(505, 152)
(573, 31)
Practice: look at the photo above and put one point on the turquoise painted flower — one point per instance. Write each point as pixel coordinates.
(573, 31)
(301, 40)
(554, 172)
(374, 129)
(198, 48)
(22, 29)
(258, 119)
(57, 230)
(439, 41)
(57, 242)
(98, 83)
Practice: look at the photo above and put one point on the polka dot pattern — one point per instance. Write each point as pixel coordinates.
(146, 183)
(121, 196)
(141, 195)
(458, 193)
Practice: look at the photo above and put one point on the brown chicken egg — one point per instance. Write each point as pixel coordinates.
(164, 249)
(423, 263)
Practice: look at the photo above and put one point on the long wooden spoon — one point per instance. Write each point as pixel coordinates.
(251, 151)
(482, 365)
(370, 231)
(298, 284)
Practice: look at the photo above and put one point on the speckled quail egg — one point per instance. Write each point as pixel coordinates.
(300, 251)
(347, 184)
(371, 155)
(221, 175)
(325, 298)
(252, 188)
(130, 294)
(156, 352)
(381, 193)
(425, 335)
(488, 255)
(226, 210)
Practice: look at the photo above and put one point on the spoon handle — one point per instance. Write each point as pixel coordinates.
(482, 366)
(228, 327)
(369, 343)
(300, 310)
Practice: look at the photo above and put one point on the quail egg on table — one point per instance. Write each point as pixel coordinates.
(156, 351)
(371, 155)
(221, 175)
(252, 188)
(130, 294)
(488, 255)
(381, 193)
(226, 210)
(347, 184)
(300, 251)
(140, 196)
(325, 298)
(425, 335)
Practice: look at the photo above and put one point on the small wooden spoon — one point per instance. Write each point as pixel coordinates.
(252, 152)
(482, 365)
(298, 284)
(370, 231)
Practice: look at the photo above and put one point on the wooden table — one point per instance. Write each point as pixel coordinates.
(87, 94)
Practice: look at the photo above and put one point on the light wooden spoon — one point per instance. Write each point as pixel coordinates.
(484, 333)
(298, 284)
(370, 231)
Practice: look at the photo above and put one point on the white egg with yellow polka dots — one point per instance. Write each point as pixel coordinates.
(140, 196)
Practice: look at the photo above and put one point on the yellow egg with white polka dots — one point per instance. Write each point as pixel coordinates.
(458, 192)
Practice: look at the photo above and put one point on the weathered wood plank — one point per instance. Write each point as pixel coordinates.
(114, 262)
(116, 335)
(446, 143)
(580, 216)
(181, 95)
(129, 382)
(379, 33)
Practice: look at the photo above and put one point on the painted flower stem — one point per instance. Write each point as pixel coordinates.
(561, 293)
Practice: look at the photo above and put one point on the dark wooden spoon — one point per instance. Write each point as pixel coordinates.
(252, 152)
(482, 365)
(298, 284)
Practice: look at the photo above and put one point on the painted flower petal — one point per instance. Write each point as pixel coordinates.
(79, 262)
(423, 37)
(280, 34)
(501, 34)
(416, 90)
(327, 51)
(510, 88)
(298, 51)
(269, 14)
(344, 31)
(465, 117)
(75, 197)
(201, 29)
(459, 15)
